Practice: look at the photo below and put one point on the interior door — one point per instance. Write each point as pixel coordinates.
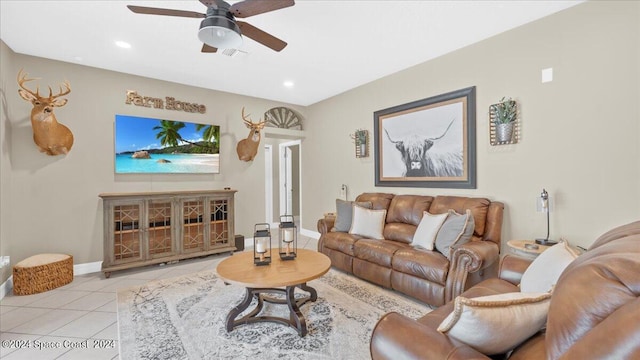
(289, 174)
(288, 183)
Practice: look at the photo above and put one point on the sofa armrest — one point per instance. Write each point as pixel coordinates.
(512, 268)
(397, 337)
(326, 224)
(468, 258)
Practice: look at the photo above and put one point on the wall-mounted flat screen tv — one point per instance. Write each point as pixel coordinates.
(145, 145)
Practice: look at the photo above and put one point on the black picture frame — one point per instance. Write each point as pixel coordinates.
(442, 127)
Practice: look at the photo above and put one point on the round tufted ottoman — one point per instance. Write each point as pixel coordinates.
(43, 272)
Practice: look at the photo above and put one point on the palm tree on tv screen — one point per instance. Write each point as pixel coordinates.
(169, 136)
(210, 132)
(169, 132)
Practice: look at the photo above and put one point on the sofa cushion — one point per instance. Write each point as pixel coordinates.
(429, 265)
(408, 209)
(379, 201)
(399, 232)
(456, 230)
(340, 241)
(376, 251)
(479, 208)
(344, 213)
(476, 321)
(544, 271)
(425, 235)
(368, 223)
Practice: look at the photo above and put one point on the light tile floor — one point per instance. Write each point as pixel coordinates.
(79, 320)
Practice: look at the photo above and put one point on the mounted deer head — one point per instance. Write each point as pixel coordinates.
(51, 137)
(248, 148)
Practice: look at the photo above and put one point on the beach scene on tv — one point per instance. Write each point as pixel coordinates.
(145, 145)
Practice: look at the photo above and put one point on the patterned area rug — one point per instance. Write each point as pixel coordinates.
(183, 318)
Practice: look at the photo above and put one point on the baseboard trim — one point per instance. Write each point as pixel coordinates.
(87, 268)
(78, 269)
(6, 287)
(310, 233)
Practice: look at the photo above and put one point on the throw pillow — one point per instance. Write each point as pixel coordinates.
(514, 316)
(425, 235)
(368, 223)
(456, 230)
(344, 213)
(545, 270)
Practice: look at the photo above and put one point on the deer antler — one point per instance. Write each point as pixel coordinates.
(22, 78)
(246, 118)
(250, 123)
(61, 92)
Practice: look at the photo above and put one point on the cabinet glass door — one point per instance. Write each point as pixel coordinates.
(219, 223)
(160, 232)
(193, 225)
(127, 234)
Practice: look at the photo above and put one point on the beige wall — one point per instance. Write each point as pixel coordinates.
(55, 205)
(580, 133)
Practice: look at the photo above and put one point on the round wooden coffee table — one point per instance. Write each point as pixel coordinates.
(279, 277)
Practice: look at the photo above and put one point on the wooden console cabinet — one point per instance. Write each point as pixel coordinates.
(156, 227)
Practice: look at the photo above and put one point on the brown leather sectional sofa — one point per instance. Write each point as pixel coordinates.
(428, 276)
(594, 311)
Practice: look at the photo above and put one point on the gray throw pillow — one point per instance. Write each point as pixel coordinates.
(344, 213)
(456, 230)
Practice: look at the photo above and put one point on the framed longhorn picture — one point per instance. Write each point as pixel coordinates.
(428, 143)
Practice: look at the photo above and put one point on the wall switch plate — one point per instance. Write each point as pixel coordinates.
(343, 192)
(547, 75)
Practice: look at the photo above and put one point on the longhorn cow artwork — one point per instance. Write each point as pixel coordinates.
(427, 143)
(421, 162)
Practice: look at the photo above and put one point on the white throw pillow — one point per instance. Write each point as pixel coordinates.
(368, 223)
(425, 235)
(545, 270)
(514, 316)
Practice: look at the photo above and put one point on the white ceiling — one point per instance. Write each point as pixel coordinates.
(333, 46)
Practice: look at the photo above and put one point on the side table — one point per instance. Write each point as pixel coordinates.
(526, 248)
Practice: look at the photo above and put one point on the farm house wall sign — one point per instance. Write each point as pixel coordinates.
(169, 103)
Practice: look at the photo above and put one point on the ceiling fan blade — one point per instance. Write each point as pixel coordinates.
(208, 49)
(260, 36)
(248, 8)
(167, 12)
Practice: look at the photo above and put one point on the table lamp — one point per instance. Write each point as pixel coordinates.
(543, 205)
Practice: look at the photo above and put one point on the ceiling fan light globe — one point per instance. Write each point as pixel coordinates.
(220, 32)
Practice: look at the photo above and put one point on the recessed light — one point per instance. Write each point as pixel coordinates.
(123, 44)
(288, 83)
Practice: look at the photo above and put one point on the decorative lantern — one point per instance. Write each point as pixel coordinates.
(288, 242)
(261, 244)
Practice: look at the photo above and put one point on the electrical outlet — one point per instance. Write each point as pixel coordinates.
(4, 261)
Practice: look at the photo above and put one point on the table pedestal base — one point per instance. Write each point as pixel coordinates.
(296, 319)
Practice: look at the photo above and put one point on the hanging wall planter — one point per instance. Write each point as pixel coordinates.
(503, 118)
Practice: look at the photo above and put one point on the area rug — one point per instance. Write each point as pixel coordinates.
(184, 318)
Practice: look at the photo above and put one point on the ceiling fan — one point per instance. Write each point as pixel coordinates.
(220, 29)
